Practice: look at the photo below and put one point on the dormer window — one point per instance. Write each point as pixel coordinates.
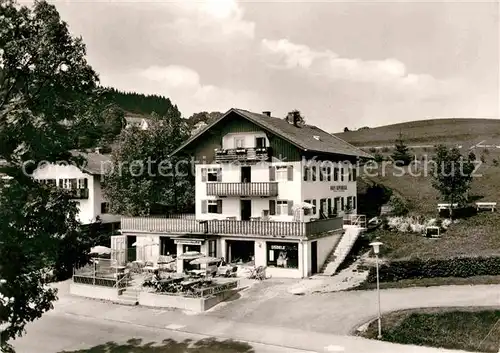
(316, 137)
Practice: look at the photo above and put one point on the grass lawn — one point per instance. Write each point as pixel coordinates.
(478, 235)
(429, 282)
(466, 329)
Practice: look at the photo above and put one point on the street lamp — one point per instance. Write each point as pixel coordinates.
(376, 249)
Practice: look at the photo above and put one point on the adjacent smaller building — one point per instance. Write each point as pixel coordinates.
(84, 184)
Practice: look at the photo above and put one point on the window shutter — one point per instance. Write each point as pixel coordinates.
(203, 174)
(219, 206)
(290, 172)
(204, 206)
(341, 174)
(219, 175)
(290, 207)
(354, 201)
(272, 173)
(272, 207)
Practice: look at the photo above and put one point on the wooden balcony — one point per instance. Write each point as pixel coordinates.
(242, 189)
(242, 154)
(79, 194)
(257, 228)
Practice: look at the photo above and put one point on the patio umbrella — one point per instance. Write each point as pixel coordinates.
(100, 250)
(306, 205)
(190, 255)
(165, 259)
(204, 260)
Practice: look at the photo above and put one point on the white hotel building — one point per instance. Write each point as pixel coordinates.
(269, 192)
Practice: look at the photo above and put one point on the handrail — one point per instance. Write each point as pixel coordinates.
(125, 278)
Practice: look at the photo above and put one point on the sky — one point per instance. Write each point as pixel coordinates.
(341, 64)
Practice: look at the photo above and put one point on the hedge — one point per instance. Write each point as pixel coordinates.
(431, 268)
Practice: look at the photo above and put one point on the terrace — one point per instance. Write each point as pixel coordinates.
(262, 228)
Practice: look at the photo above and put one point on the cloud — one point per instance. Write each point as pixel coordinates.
(390, 73)
(184, 87)
(209, 21)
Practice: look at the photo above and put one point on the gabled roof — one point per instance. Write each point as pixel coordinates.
(306, 137)
(96, 163)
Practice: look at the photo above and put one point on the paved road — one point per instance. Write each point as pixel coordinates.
(342, 312)
(266, 316)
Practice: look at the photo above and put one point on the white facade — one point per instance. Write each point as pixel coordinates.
(69, 176)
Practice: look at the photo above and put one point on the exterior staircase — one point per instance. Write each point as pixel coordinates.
(339, 254)
(130, 296)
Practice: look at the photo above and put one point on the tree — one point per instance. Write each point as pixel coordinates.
(401, 154)
(143, 173)
(452, 175)
(48, 99)
(472, 156)
(112, 122)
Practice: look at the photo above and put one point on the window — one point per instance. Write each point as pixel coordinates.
(342, 174)
(342, 203)
(260, 142)
(51, 182)
(307, 172)
(314, 206)
(213, 206)
(307, 211)
(104, 207)
(322, 206)
(336, 205)
(330, 210)
(354, 174)
(350, 173)
(239, 142)
(212, 174)
(281, 207)
(313, 173)
(354, 202)
(285, 255)
(336, 174)
(281, 173)
(329, 173)
(212, 248)
(322, 172)
(83, 183)
(349, 202)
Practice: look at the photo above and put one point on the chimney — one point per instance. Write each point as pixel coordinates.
(267, 113)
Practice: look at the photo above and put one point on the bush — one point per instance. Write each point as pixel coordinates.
(399, 206)
(495, 162)
(385, 149)
(372, 150)
(431, 268)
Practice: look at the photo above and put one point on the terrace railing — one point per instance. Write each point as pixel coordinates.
(242, 189)
(162, 225)
(229, 227)
(242, 154)
(355, 220)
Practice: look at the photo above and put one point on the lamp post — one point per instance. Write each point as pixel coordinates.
(376, 249)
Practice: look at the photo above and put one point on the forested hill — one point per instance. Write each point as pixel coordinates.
(138, 103)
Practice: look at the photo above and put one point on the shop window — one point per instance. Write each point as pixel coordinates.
(285, 255)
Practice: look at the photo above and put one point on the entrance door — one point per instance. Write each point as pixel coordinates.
(131, 250)
(246, 174)
(314, 257)
(246, 209)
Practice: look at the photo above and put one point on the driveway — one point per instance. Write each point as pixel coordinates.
(269, 303)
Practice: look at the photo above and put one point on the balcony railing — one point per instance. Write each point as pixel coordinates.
(79, 193)
(229, 227)
(242, 154)
(242, 189)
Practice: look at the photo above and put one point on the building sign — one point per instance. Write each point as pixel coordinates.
(278, 247)
(338, 187)
(188, 241)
